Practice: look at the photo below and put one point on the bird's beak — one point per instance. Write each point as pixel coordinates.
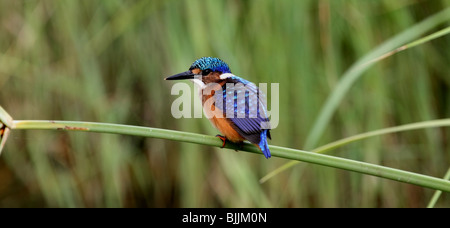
(185, 75)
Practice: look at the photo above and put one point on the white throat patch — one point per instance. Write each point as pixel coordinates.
(198, 81)
(226, 75)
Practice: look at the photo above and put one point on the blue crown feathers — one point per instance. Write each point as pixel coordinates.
(214, 64)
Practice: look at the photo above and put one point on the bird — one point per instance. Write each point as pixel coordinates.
(239, 112)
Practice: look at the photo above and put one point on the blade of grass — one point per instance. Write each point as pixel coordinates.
(406, 127)
(6, 122)
(5, 118)
(432, 36)
(4, 132)
(438, 193)
(345, 141)
(311, 157)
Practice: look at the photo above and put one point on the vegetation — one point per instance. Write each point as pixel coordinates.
(104, 61)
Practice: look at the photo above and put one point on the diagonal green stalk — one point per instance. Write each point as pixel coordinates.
(432, 36)
(406, 127)
(5, 118)
(6, 122)
(4, 132)
(345, 141)
(282, 152)
(438, 193)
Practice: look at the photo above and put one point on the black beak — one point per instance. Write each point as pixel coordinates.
(185, 75)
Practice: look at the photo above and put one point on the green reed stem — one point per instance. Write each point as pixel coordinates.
(282, 152)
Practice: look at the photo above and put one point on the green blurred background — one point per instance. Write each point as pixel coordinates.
(105, 61)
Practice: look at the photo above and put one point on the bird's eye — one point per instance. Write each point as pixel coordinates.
(206, 72)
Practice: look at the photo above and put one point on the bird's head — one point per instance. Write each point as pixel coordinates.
(205, 70)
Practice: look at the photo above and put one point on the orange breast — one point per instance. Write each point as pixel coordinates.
(224, 126)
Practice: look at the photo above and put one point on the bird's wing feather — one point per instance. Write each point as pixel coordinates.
(245, 105)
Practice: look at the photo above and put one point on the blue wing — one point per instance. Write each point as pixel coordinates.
(245, 105)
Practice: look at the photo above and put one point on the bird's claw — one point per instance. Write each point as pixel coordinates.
(224, 140)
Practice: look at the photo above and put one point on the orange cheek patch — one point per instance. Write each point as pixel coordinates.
(196, 71)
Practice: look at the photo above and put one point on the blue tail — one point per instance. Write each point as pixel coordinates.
(263, 144)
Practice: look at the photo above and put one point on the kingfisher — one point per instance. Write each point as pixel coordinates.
(235, 106)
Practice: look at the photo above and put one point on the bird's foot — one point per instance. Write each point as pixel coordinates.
(224, 140)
